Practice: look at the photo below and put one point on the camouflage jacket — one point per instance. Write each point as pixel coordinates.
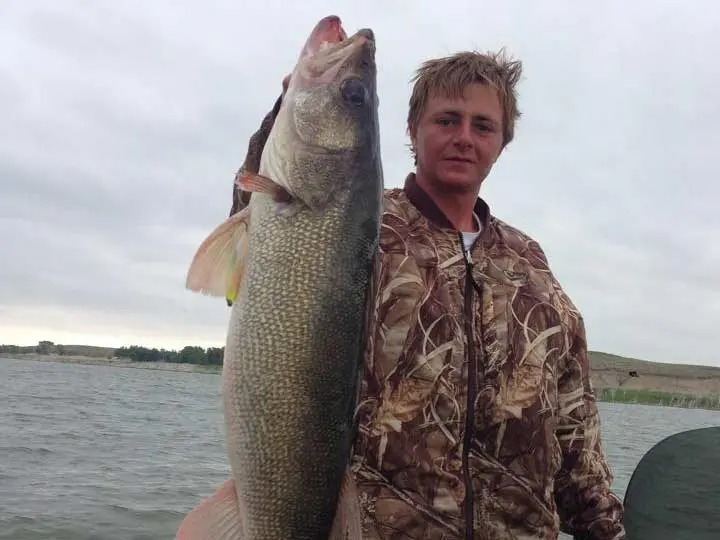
(490, 332)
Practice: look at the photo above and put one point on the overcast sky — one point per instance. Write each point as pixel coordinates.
(122, 125)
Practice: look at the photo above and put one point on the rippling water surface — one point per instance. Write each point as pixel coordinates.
(101, 453)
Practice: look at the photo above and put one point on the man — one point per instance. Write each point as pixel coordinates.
(468, 317)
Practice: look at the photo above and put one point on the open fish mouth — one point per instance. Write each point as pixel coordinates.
(327, 48)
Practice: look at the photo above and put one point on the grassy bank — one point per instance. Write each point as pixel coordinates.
(656, 397)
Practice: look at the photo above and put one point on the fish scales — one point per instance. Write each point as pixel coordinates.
(304, 403)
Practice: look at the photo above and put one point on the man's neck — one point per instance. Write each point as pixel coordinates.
(457, 205)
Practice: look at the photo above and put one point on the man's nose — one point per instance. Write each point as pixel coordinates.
(463, 135)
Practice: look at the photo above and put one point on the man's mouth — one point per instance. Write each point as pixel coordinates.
(459, 160)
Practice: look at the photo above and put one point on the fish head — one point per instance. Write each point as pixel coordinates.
(327, 125)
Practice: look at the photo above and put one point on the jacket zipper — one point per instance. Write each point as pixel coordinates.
(471, 394)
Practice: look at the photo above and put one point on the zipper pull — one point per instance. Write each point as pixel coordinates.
(468, 257)
(466, 252)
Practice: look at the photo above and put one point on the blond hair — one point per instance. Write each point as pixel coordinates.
(450, 75)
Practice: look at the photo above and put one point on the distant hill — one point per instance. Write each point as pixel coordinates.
(66, 350)
(617, 378)
(601, 361)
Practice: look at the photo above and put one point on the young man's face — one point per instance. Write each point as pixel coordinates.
(457, 140)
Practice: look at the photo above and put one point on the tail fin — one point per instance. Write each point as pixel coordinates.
(219, 517)
(216, 518)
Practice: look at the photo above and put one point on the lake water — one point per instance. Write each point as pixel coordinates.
(102, 453)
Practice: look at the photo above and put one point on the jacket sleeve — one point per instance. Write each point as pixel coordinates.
(588, 509)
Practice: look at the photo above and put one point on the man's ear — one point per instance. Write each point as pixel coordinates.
(412, 133)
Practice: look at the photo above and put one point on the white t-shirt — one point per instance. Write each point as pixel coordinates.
(470, 237)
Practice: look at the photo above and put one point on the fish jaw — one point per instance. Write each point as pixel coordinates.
(324, 62)
(327, 123)
(328, 30)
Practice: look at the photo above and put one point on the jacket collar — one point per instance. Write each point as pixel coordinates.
(427, 207)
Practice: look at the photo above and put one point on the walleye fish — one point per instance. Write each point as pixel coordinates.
(299, 258)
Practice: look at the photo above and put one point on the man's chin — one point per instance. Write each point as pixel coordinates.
(459, 182)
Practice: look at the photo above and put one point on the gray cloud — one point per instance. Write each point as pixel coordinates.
(122, 127)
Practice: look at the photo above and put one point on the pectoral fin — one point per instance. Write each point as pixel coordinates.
(286, 206)
(261, 184)
(219, 263)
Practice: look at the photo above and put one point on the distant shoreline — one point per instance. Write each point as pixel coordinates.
(682, 387)
(114, 362)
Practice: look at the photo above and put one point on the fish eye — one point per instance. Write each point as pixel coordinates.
(354, 92)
